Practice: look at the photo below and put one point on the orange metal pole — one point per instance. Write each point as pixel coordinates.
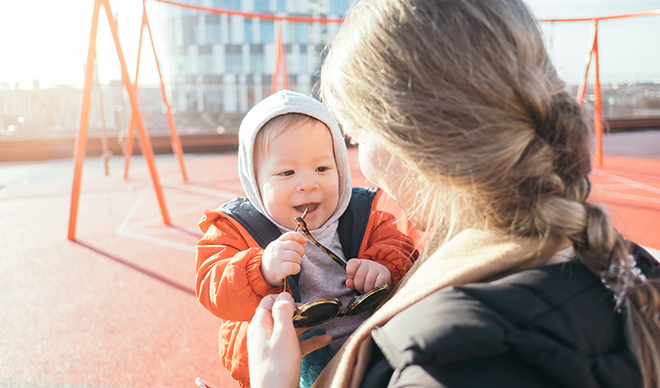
(175, 140)
(129, 139)
(145, 142)
(598, 108)
(129, 146)
(582, 90)
(81, 139)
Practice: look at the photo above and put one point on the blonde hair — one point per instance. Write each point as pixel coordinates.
(464, 93)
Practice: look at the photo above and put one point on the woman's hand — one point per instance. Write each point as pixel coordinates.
(365, 275)
(274, 352)
(282, 258)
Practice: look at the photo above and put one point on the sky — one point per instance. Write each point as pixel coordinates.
(48, 40)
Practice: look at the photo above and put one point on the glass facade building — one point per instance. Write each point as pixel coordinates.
(219, 66)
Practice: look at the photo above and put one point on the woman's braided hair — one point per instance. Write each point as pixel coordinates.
(464, 92)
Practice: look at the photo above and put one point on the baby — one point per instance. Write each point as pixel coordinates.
(292, 159)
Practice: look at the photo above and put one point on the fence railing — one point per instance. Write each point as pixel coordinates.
(53, 112)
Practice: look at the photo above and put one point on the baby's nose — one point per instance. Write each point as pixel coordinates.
(307, 183)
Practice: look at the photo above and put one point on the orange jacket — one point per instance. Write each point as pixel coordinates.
(230, 285)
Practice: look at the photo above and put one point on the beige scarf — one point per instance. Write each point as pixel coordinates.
(470, 257)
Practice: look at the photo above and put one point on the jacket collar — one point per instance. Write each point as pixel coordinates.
(471, 256)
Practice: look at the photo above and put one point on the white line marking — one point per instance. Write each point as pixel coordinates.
(195, 208)
(614, 186)
(199, 189)
(628, 181)
(630, 197)
(155, 240)
(134, 209)
(133, 231)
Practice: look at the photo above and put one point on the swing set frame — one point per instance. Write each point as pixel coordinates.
(280, 70)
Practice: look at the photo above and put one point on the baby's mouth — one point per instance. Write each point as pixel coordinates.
(309, 206)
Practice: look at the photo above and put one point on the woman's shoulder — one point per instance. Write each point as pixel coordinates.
(489, 310)
(557, 316)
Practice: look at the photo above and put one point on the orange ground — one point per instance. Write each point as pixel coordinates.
(117, 307)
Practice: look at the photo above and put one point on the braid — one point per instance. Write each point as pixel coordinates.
(600, 248)
(552, 181)
(549, 182)
(597, 243)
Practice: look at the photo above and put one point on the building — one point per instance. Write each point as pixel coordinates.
(218, 66)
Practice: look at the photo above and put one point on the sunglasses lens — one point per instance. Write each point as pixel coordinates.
(368, 299)
(316, 312)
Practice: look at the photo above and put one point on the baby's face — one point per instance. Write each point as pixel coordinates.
(299, 172)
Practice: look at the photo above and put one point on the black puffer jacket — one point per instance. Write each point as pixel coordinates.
(552, 326)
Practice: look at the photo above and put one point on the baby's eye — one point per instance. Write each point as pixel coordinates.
(322, 169)
(288, 173)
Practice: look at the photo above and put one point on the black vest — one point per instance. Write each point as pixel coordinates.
(352, 224)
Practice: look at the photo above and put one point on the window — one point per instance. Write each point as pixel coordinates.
(189, 30)
(213, 34)
(248, 30)
(261, 6)
(227, 4)
(257, 58)
(266, 85)
(338, 7)
(206, 59)
(288, 50)
(230, 28)
(293, 81)
(324, 32)
(234, 58)
(303, 33)
(267, 31)
(304, 62)
(289, 32)
(189, 11)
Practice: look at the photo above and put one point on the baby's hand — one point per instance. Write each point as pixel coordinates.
(282, 257)
(365, 275)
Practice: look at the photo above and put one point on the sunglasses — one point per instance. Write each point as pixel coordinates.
(322, 310)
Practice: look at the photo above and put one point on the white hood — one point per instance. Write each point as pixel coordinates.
(280, 103)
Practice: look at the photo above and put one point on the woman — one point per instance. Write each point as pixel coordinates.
(460, 117)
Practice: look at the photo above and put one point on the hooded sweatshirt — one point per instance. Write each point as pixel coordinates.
(320, 277)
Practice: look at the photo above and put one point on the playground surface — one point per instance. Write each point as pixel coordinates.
(117, 307)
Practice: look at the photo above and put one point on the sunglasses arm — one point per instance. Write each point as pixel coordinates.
(302, 227)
